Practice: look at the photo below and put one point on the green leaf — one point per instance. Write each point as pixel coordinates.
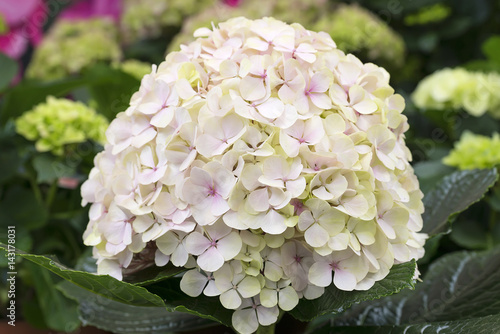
(336, 301)
(103, 285)
(483, 325)
(49, 168)
(20, 207)
(491, 49)
(203, 306)
(59, 312)
(8, 70)
(27, 94)
(457, 286)
(117, 317)
(454, 194)
(111, 89)
(123, 292)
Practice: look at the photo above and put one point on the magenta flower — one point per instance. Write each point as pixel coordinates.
(25, 21)
(85, 9)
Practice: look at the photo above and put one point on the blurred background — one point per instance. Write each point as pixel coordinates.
(68, 67)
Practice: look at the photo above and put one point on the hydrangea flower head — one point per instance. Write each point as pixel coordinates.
(70, 46)
(267, 162)
(475, 151)
(59, 122)
(458, 88)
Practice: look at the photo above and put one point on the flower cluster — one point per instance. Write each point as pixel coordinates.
(355, 29)
(475, 92)
(147, 18)
(59, 122)
(475, 151)
(71, 46)
(264, 160)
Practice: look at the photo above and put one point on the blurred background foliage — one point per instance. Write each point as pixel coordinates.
(443, 57)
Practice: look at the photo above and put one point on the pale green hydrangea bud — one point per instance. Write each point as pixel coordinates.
(475, 151)
(357, 30)
(458, 88)
(135, 68)
(71, 46)
(429, 14)
(147, 18)
(59, 122)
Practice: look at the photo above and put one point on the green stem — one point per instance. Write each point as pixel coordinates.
(266, 329)
(491, 225)
(51, 194)
(35, 188)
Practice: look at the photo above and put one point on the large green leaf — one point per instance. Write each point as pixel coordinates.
(59, 312)
(203, 306)
(103, 285)
(336, 301)
(163, 293)
(484, 325)
(454, 194)
(117, 317)
(458, 286)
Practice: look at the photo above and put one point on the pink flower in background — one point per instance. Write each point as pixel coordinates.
(85, 9)
(232, 3)
(25, 20)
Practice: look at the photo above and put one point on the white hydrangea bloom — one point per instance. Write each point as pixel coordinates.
(266, 161)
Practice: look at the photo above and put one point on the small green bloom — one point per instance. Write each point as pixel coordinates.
(357, 30)
(475, 151)
(59, 122)
(429, 14)
(458, 88)
(69, 47)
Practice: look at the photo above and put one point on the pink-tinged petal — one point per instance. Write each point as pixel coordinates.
(163, 118)
(322, 101)
(210, 260)
(320, 274)
(219, 205)
(252, 89)
(313, 130)
(344, 280)
(259, 200)
(290, 145)
(273, 223)
(272, 108)
(230, 245)
(209, 146)
(196, 243)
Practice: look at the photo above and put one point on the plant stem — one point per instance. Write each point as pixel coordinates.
(35, 188)
(491, 225)
(266, 329)
(51, 194)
